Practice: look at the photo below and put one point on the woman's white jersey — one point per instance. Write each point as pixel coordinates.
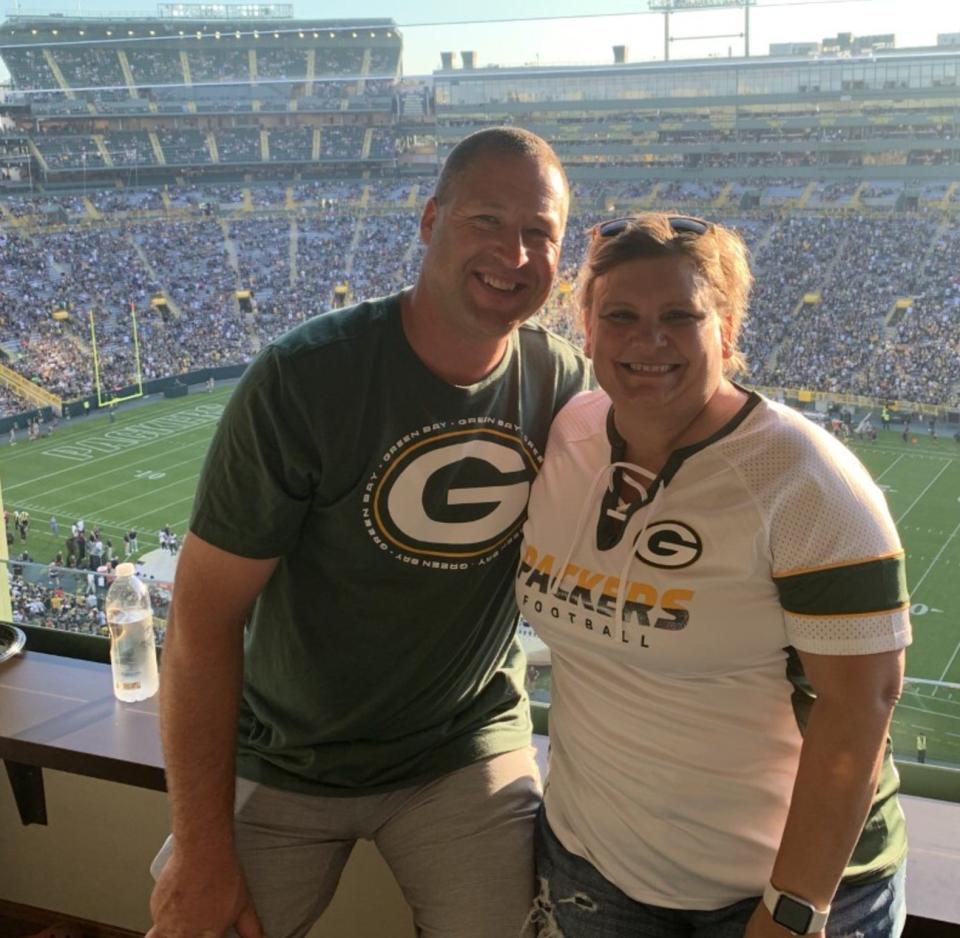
(675, 728)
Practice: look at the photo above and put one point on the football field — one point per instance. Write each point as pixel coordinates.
(921, 479)
(137, 472)
(140, 471)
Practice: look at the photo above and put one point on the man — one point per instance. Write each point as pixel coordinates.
(387, 452)
(53, 570)
(96, 552)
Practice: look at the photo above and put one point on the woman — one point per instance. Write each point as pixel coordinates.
(694, 555)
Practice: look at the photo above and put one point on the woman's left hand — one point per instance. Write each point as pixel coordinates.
(762, 925)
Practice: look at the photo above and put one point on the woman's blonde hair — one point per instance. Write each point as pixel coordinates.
(719, 254)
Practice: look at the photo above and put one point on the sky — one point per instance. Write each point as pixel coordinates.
(553, 32)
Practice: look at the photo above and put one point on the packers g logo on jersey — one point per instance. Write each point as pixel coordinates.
(669, 545)
(458, 495)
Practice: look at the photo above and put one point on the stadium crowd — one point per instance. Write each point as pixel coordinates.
(154, 66)
(62, 599)
(55, 608)
(191, 147)
(822, 313)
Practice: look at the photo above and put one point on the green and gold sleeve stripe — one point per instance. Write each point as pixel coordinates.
(865, 587)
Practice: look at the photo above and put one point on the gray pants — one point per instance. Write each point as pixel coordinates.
(461, 848)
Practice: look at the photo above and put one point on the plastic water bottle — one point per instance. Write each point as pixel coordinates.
(133, 653)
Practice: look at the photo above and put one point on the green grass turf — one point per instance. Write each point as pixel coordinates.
(138, 472)
(921, 479)
(141, 472)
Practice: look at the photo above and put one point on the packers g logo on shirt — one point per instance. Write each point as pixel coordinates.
(669, 545)
(452, 496)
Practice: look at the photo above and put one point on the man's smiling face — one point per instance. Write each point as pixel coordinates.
(493, 243)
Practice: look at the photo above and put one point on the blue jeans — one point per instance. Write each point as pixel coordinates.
(575, 901)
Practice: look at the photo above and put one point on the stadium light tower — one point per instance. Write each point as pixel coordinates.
(666, 7)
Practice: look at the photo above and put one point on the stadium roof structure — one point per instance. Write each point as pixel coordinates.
(730, 62)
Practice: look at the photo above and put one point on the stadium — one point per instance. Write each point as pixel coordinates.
(176, 191)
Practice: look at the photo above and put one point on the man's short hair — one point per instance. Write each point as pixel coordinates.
(495, 141)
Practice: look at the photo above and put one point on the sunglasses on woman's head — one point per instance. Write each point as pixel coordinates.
(681, 224)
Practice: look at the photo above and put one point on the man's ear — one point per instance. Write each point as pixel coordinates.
(428, 219)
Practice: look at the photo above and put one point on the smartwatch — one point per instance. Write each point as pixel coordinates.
(794, 914)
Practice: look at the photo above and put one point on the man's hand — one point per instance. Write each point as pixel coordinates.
(202, 901)
(762, 925)
(201, 891)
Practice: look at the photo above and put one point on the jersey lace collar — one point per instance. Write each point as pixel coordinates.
(616, 512)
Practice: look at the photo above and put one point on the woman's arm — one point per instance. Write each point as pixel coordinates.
(843, 747)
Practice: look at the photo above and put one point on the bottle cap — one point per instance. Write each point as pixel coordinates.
(126, 569)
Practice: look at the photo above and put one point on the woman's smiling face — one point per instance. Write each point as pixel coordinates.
(655, 336)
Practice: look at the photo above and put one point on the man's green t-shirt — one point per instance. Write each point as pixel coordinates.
(382, 652)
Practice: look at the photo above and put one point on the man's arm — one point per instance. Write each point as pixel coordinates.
(840, 760)
(201, 889)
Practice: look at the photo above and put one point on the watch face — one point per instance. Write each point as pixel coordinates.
(793, 915)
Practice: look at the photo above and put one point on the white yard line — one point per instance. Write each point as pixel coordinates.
(125, 525)
(885, 471)
(933, 562)
(902, 450)
(153, 490)
(65, 526)
(85, 500)
(151, 460)
(946, 716)
(111, 523)
(186, 498)
(916, 586)
(72, 469)
(70, 433)
(110, 526)
(929, 485)
(943, 676)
